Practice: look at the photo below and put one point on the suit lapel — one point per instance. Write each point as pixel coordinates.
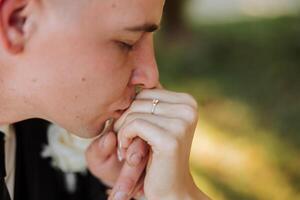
(35, 179)
(33, 174)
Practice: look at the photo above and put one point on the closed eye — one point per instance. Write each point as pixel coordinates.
(125, 46)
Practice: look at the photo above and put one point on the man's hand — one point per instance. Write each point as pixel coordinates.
(103, 163)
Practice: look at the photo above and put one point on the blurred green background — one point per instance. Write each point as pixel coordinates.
(241, 60)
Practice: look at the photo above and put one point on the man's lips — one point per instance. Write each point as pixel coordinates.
(120, 112)
(127, 105)
(115, 116)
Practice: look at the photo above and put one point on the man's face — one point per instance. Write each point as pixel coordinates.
(79, 69)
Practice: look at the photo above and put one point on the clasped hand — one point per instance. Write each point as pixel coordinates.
(154, 148)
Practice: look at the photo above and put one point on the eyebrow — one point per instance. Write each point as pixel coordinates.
(149, 28)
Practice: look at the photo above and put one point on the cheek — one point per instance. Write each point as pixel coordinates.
(79, 76)
(104, 75)
(89, 82)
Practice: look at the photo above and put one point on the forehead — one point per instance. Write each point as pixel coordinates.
(125, 12)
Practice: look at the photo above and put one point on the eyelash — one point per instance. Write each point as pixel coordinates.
(125, 46)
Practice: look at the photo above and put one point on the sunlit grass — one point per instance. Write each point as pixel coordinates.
(232, 156)
(240, 164)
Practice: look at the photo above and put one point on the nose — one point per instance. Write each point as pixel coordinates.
(145, 72)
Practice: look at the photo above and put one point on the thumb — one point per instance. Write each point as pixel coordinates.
(101, 148)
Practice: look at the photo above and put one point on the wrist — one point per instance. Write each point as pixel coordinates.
(196, 194)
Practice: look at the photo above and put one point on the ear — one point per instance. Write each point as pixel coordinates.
(12, 21)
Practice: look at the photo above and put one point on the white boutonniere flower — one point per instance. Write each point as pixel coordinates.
(67, 153)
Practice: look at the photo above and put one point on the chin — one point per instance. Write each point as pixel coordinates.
(94, 131)
(103, 124)
(86, 130)
(97, 129)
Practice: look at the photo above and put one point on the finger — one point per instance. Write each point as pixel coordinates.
(137, 146)
(138, 192)
(102, 147)
(127, 180)
(170, 110)
(167, 96)
(154, 135)
(137, 152)
(175, 126)
(101, 157)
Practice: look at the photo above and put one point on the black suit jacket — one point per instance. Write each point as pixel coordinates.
(36, 179)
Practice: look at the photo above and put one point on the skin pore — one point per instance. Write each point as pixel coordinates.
(76, 63)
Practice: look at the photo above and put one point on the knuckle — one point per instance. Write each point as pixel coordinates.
(135, 158)
(137, 122)
(142, 93)
(137, 146)
(143, 147)
(130, 117)
(134, 123)
(190, 112)
(191, 100)
(134, 104)
(172, 146)
(179, 126)
(195, 104)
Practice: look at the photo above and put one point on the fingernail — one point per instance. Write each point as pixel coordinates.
(120, 158)
(102, 141)
(119, 155)
(135, 159)
(120, 196)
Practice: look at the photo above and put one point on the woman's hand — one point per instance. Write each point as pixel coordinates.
(169, 132)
